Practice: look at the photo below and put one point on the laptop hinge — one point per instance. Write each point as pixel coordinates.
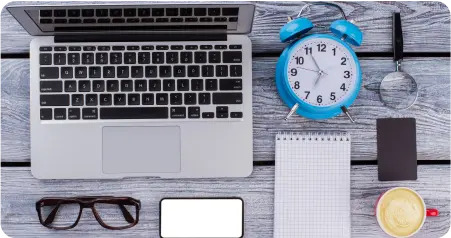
(140, 37)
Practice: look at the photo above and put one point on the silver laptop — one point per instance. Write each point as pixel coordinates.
(140, 90)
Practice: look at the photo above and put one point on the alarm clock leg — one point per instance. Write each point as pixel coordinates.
(345, 110)
(293, 110)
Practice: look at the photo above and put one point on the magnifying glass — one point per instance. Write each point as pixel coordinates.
(398, 90)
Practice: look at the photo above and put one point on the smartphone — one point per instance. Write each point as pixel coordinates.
(202, 217)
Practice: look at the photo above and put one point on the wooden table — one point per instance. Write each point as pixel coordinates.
(426, 28)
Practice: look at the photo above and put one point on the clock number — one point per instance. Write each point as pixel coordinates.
(321, 47)
(299, 60)
(343, 87)
(332, 96)
(319, 99)
(294, 72)
(347, 74)
(307, 93)
(296, 85)
(307, 50)
(343, 61)
(335, 51)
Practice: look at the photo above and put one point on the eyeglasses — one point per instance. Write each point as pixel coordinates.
(115, 213)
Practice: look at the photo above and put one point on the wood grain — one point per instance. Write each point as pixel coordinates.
(426, 25)
(432, 109)
(20, 191)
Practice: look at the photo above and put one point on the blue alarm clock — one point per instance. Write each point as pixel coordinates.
(318, 76)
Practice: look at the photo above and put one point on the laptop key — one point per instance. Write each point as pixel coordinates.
(178, 112)
(67, 72)
(222, 112)
(151, 71)
(230, 11)
(49, 72)
(115, 58)
(105, 99)
(130, 58)
(45, 13)
(126, 85)
(207, 71)
(45, 48)
(118, 47)
(133, 99)
(193, 71)
(130, 12)
(214, 57)
(45, 59)
(116, 12)
(172, 57)
(77, 100)
(87, 12)
(101, 12)
(179, 71)
(236, 70)
(214, 11)
(134, 113)
(193, 112)
(73, 12)
(81, 72)
(60, 48)
(74, 48)
(147, 99)
(172, 11)
(122, 72)
(101, 58)
(186, 11)
(70, 86)
(165, 71)
(168, 85)
(208, 115)
(211, 84)
(112, 85)
(161, 98)
(73, 113)
(46, 114)
(227, 98)
(137, 72)
(74, 21)
(87, 58)
(98, 85)
(119, 99)
(236, 115)
(176, 99)
(200, 11)
(232, 56)
(200, 57)
(197, 84)
(73, 58)
(190, 98)
(89, 48)
(84, 86)
(140, 85)
(157, 12)
(91, 99)
(54, 100)
(90, 113)
(186, 57)
(157, 57)
(95, 72)
(230, 84)
(51, 86)
(109, 72)
(144, 58)
(59, 114)
(204, 98)
(222, 71)
(144, 12)
(154, 85)
(183, 85)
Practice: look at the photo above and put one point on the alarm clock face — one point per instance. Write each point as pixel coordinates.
(322, 71)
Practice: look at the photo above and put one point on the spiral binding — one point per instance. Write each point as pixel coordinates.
(313, 136)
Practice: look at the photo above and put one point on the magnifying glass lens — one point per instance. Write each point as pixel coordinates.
(398, 90)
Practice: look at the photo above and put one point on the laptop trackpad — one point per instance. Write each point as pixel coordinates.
(141, 149)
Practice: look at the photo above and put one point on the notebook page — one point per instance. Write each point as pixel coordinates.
(312, 185)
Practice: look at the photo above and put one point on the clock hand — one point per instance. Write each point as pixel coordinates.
(317, 79)
(316, 64)
(308, 69)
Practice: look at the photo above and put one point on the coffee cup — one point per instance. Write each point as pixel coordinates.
(401, 212)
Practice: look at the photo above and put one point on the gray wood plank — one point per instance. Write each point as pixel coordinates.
(20, 192)
(432, 109)
(426, 25)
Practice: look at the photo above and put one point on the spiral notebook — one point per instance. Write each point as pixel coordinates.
(312, 185)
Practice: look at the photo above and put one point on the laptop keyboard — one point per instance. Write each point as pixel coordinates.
(141, 82)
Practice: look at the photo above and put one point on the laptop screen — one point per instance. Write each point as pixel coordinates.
(155, 18)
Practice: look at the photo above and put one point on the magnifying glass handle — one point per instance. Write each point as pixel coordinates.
(345, 111)
(398, 42)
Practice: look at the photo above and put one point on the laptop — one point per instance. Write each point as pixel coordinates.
(155, 90)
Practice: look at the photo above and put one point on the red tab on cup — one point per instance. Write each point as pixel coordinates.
(431, 212)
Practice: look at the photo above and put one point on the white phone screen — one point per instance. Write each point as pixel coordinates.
(201, 217)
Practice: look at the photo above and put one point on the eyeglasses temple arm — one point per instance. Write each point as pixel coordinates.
(128, 217)
(52, 215)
